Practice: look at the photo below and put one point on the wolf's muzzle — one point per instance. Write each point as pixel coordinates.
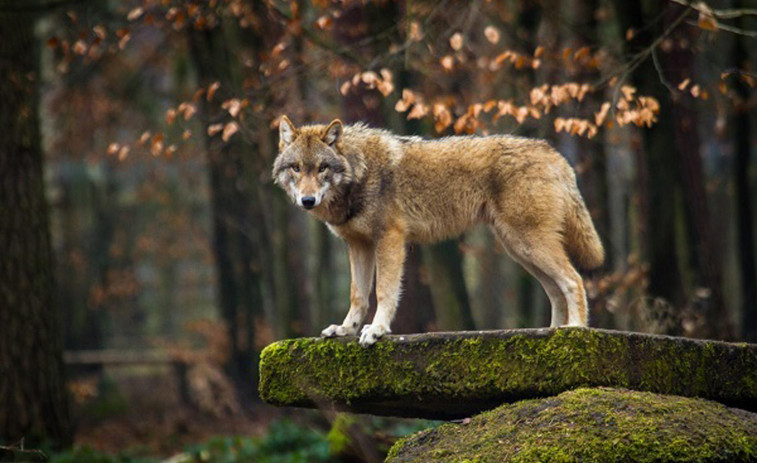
(308, 202)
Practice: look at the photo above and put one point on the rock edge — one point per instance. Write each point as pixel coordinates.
(454, 375)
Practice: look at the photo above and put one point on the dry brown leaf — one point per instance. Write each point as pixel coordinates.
(170, 116)
(324, 22)
(521, 114)
(229, 130)
(456, 41)
(415, 34)
(189, 111)
(100, 31)
(572, 88)
(582, 91)
(80, 47)
(408, 98)
(442, 117)
(419, 111)
(369, 78)
(385, 87)
(214, 129)
(447, 62)
(581, 53)
(599, 117)
(212, 89)
(143, 138)
(706, 20)
(628, 92)
(492, 34)
(233, 106)
(156, 146)
(460, 123)
(684, 83)
(135, 13)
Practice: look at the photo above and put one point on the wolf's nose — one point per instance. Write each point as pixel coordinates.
(308, 202)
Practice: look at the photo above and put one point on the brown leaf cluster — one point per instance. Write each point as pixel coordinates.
(383, 81)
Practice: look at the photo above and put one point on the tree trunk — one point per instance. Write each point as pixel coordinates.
(659, 167)
(238, 231)
(744, 201)
(33, 402)
(705, 257)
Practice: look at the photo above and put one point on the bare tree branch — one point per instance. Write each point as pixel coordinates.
(702, 7)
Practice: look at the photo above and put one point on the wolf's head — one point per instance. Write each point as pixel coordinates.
(310, 166)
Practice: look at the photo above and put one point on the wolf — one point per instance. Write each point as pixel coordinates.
(379, 192)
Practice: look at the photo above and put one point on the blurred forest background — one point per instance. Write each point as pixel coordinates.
(140, 232)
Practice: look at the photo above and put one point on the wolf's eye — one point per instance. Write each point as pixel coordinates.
(296, 168)
(323, 168)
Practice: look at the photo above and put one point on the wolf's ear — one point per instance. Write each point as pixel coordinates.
(333, 132)
(287, 132)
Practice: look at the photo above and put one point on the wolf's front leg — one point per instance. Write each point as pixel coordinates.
(390, 257)
(362, 268)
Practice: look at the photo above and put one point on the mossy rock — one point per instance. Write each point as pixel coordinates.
(453, 375)
(591, 425)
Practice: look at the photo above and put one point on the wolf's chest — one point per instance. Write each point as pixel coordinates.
(357, 229)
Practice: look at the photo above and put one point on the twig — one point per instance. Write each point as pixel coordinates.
(661, 74)
(644, 54)
(731, 29)
(720, 14)
(344, 52)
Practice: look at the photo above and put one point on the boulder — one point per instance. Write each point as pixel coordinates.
(454, 375)
(591, 425)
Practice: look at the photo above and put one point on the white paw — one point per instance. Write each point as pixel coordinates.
(371, 333)
(338, 330)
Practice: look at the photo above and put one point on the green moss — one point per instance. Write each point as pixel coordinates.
(592, 425)
(448, 375)
(339, 436)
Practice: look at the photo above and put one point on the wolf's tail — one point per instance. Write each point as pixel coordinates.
(581, 239)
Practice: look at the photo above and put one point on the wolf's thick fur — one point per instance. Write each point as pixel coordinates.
(379, 191)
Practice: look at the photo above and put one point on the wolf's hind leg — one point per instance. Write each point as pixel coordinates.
(520, 254)
(362, 268)
(390, 258)
(543, 255)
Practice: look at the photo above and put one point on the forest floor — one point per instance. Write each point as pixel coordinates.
(141, 413)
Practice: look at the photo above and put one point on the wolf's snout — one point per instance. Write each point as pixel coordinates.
(308, 202)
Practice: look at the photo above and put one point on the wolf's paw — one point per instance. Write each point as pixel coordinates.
(371, 333)
(338, 330)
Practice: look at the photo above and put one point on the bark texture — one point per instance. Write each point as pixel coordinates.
(238, 229)
(33, 402)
